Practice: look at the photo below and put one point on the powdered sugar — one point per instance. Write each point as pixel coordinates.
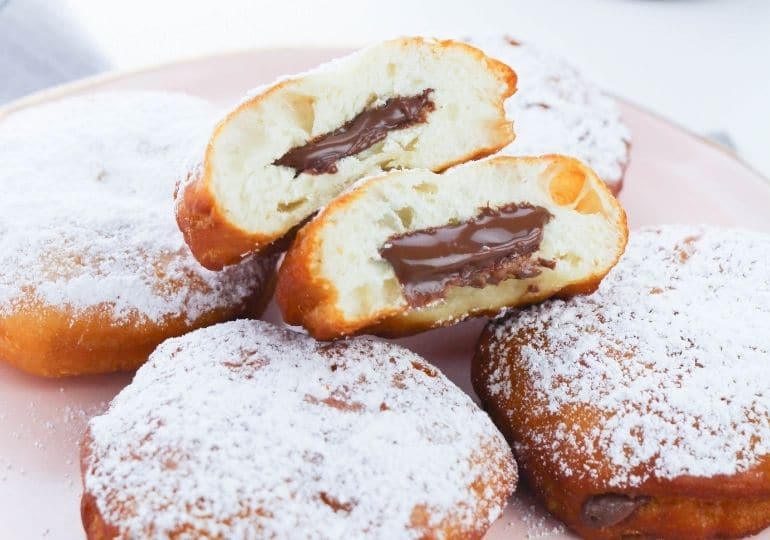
(556, 110)
(675, 343)
(316, 440)
(87, 212)
(532, 520)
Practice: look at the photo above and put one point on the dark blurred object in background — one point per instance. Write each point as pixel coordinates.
(41, 45)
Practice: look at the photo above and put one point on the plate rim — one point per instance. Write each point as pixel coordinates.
(93, 83)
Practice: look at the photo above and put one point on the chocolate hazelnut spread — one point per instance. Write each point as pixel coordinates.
(610, 509)
(320, 155)
(487, 249)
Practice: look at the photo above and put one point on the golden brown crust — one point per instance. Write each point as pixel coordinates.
(96, 528)
(213, 240)
(216, 241)
(53, 341)
(685, 507)
(307, 299)
(301, 293)
(93, 523)
(314, 298)
(495, 492)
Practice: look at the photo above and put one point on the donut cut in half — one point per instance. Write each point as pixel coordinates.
(247, 430)
(411, 250)
(641, 411)
(292, 147)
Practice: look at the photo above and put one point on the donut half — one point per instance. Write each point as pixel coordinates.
(411, 250)
(292, 147)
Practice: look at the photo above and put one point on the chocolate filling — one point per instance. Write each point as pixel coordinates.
(487, 249)
(610, 509)
(320, 155)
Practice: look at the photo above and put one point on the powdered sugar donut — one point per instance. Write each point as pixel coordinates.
(643, 410)
(293, 146)
(94, 272)
(556, 110)
(246, 430)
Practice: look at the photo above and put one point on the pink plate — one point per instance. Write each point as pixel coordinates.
(674, 177)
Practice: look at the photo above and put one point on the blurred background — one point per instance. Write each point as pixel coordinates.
(704, 64)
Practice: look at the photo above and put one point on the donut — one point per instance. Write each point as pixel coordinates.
(247, 430)
(293, 146)
(642, 411)
(95, 273)
(412, 250)
(557, 110)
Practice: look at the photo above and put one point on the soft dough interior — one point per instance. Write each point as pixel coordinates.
(266, 198)
(584, 237)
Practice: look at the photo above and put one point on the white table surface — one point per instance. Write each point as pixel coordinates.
(704, 64)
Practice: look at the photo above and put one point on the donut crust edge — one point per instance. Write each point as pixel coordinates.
(54, 341)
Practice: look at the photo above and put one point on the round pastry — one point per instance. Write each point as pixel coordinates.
(95, 272)
(293, 146)
(643, 410)
(247, 430)
(413, 250)
(556, 110)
